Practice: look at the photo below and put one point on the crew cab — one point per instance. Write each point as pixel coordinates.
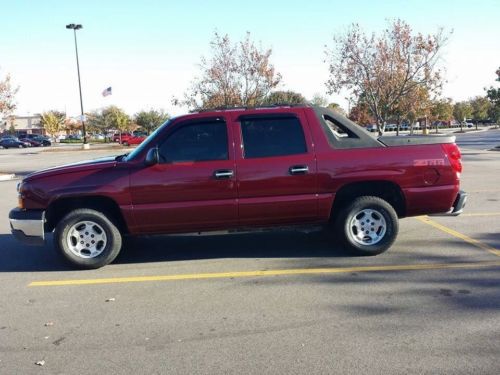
(243, 169)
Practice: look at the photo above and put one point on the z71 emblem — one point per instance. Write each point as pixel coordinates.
(427, 162)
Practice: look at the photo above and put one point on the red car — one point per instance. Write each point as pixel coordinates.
(241, 169)
(31, 141)
(117, 137)
(127, 139)
(133, 140)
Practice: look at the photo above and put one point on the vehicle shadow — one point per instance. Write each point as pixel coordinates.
(16, 257)
(289, 244)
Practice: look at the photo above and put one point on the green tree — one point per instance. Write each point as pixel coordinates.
(461, 111)
(97, 122)
(319, 100)
(12, 129)
(284, 97)
(150, 120)
(110, 118)
(493, 95)
(337, 108)
(480, 109)
(53, 121)
(441, 110)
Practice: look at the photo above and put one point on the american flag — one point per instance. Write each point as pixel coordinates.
(107, 92)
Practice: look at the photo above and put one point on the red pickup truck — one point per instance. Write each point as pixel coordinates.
(243, 169)
(128, 139)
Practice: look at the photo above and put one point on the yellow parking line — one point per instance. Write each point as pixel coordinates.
(300, 271)
(481, 214)
(454, 233)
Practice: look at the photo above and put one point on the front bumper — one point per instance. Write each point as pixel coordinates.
(27, 226)
(458, 205)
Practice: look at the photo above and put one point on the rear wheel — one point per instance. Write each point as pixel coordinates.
(367, 226)
(87, 238)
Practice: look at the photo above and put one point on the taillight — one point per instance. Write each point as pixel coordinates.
(453, 153)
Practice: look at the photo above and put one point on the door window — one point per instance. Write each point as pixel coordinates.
(269, 137)
(196, 142)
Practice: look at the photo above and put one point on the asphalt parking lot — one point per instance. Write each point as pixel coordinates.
(261, 303)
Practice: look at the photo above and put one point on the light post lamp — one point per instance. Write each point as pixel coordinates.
(75, 27)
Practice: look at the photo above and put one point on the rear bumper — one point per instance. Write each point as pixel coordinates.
(458, 205)
(28, 226)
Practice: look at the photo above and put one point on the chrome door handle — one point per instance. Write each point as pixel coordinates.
(299, 169)
(222, 174)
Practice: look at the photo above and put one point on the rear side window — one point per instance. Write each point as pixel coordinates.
(267, 137)
(196, 142)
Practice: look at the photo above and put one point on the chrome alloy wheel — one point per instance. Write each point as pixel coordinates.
(368, 227)
(86, 239)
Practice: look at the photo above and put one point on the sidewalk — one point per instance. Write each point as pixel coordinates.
(6, 176)
(79, 147)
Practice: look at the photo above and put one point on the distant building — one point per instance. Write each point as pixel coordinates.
(22, 124)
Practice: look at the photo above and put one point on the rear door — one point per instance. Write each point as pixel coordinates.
(276, 168)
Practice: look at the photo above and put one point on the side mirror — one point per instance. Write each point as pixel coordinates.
(152, 157)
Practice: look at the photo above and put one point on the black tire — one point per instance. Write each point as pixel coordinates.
(125, 144)
(109, 252)
(347, 231)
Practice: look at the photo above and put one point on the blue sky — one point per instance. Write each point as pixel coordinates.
(148, 51)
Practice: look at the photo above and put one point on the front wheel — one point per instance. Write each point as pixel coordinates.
(367, 226)
(87, 239)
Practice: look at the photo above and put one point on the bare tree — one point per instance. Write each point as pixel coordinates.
(385, 69)
(235, 75)
(7, 94)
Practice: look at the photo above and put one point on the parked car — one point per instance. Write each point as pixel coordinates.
(391, 127)
(45, 141)
(133, 140)
(241, 169)
(31, 141)
(371, 128)
(13, 143)
(124, 137)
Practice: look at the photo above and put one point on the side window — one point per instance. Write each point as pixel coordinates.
(196, 142)
(337, 129)
(268, 137)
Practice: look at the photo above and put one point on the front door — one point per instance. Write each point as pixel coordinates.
(193, 187)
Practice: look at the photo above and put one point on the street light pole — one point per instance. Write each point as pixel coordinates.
(75, 27)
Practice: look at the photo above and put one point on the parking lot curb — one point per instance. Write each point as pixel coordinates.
(7, 177)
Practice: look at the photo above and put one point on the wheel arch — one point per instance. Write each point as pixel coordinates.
(62, 206)
(386, 190)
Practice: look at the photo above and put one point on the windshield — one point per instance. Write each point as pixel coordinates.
(148, 141)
